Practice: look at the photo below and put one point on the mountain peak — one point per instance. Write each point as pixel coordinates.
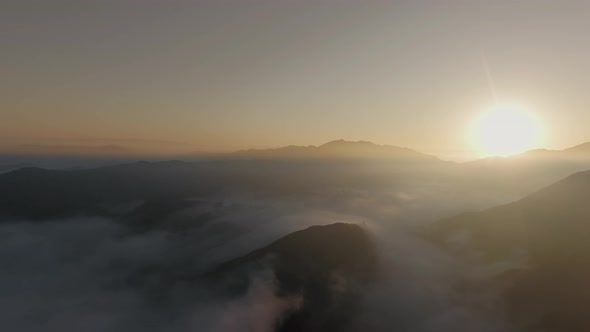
(340, 149)
(305, 264)
(342, 142)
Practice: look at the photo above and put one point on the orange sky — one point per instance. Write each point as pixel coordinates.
(226, 75)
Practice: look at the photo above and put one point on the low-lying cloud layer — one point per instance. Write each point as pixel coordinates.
(99, 274)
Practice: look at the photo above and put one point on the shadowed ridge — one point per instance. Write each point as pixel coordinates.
(324, 265)
(566, 198)
(551, 227)
(338, 245)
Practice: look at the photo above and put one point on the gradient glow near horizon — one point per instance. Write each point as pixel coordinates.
(223, 75)
(504, 130)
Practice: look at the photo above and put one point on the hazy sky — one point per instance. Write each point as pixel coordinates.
(219, 75)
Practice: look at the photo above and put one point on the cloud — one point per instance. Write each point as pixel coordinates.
(94, 274)
(260, 309)
(97, 274)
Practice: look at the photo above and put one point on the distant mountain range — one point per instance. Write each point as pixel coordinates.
(288, 170)
(339, 149)
(581, 150)
(71, 157)
(64, 157)
(578, 152)
(41, 194)
(367, 150)
(530, 170)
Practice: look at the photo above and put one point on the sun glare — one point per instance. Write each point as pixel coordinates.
(505, 130)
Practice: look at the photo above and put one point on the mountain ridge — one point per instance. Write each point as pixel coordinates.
(549, 229)
(337, 149)
(322, 265)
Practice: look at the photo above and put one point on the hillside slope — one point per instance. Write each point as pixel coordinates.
(552, 227)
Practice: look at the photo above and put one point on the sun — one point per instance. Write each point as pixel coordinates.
(505, 130)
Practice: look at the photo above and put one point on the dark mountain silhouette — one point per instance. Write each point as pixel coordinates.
(44, 194)
(40, 194)
(4, 168)
(339, 149)
(552, 226)
(322, 265)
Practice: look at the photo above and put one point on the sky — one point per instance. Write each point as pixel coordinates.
(223, 75)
